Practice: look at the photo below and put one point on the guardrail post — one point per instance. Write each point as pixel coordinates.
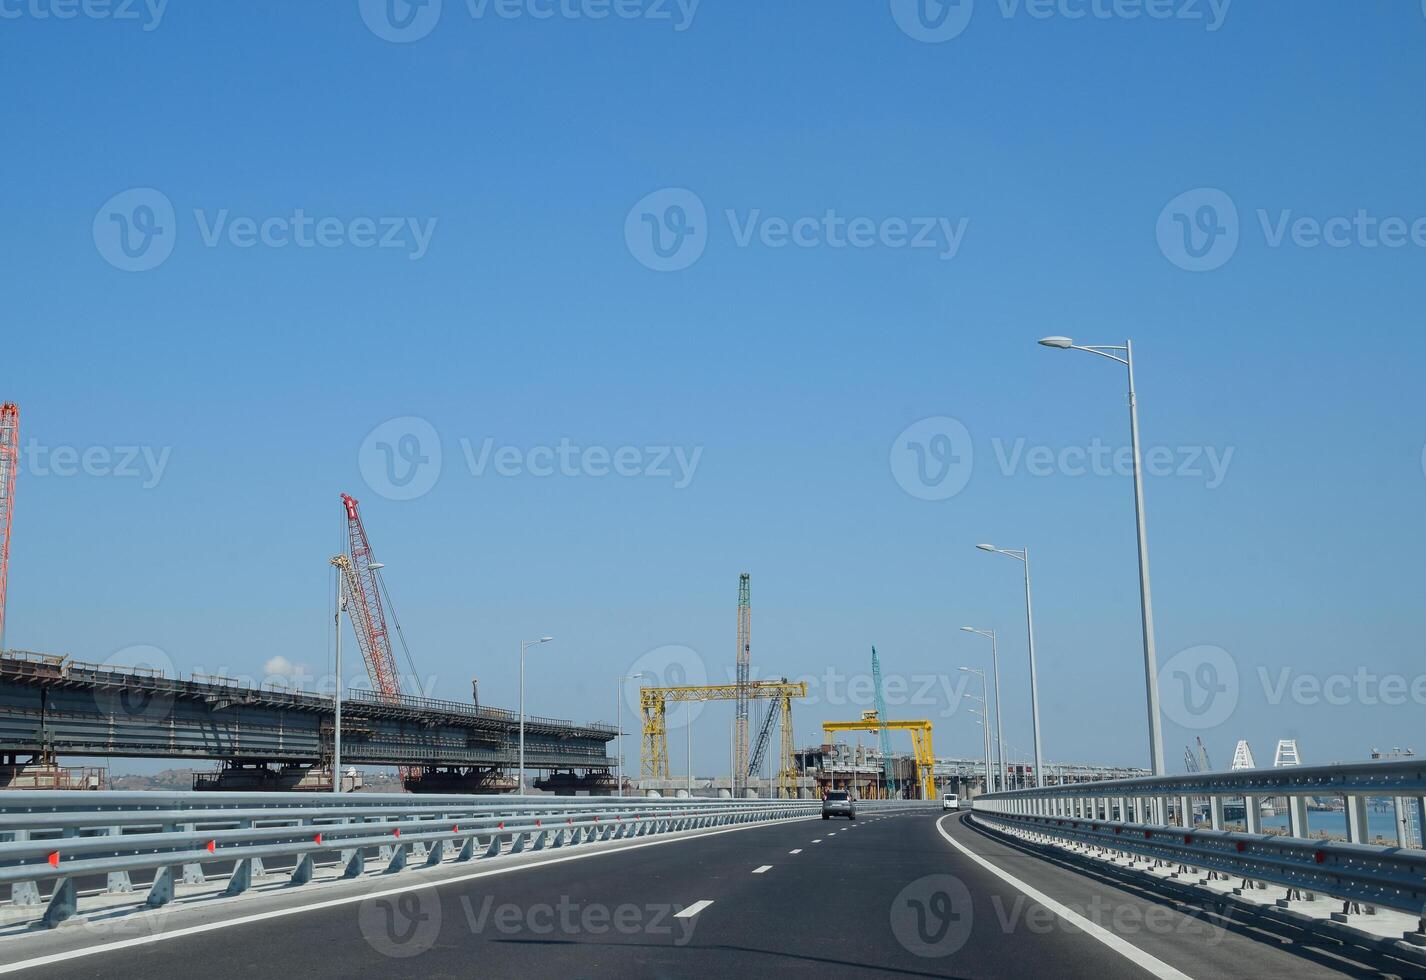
(24, 893)
(63, 903)
(161, 891)
(1123, 814)
(241, 879)
(1356, 807)
(1403, 822)
(1215, 812)
(436, 854)
(1252, 816)
(1185, 812)
(1297, 816)
(118, 882)
(192, 871)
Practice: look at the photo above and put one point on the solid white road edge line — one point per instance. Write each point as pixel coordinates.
(74, 954)
(693, 909)
(1129, 951)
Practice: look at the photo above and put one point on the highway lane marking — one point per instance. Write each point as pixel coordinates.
(795, 850)
(817, 841)
(1129, 951)
(765, 867)
(158, 937)
(832, 834)
(693, 909)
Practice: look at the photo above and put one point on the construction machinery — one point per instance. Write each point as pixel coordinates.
(744, 662)
(653, 702)
(923, 751)
(9, 463)
(888, 772)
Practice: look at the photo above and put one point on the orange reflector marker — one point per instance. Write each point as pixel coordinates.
(317, 839)
(455, 829)
(500, 825)
(212, 845)
(54, 859)
(1320, 857)
(396, 832)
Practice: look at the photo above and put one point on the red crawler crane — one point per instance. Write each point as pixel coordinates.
(364, 607)
(9, 463)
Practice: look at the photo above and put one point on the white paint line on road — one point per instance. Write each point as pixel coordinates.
(74, 954)
(765, 867)
(817, 841)
(795, 850)
(693, 909)
(832, 834)
(1129, 951)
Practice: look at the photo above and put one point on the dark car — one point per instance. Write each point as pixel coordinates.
(838, 803)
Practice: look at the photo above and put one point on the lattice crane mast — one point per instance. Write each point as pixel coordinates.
(363, 592)
(888, 765)
(9, 463)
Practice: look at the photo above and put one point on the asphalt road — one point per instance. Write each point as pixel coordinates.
(889, 895)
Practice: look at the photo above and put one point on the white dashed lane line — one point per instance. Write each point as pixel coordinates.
(693, 909)
(765, 867)
(795, 850)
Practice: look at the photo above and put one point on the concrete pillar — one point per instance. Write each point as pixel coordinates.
(1357, 819)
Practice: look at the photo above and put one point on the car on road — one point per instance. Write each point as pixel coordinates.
(838, 803)
(950, 801)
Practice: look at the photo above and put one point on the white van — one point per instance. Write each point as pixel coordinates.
(950, 801)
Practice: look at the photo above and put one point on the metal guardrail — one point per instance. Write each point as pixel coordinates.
(62, 837)
(1156, 818)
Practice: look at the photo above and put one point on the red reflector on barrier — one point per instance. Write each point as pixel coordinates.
(396, 832)
(54, 859)
(317, 839)
(455, 828)
(1320, 857)
(1118, 830)
(212, 844)
(1187, 839)
(1241, 847)
(500, 825)
(537, 821)
(1148, 835)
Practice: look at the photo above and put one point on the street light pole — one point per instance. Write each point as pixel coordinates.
(1146, 605)
(524, 644)
(620, 709)
(1023, 556)
(985, 720)
(337, 695)
(999, 718)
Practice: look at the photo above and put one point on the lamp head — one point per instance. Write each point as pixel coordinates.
(987, 547)
(1061, 343)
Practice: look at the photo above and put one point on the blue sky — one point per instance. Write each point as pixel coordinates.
(508, 162)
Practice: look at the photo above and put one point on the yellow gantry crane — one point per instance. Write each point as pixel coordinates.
(920, 742)
(653, 753)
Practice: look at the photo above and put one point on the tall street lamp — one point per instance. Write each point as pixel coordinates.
(984, 723)
(1023, 556)
(1146, 605)
(524, 645)
(999, 718)
(620, 709)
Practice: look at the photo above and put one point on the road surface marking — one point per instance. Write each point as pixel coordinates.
(832, 834)
(74, 954)
(693, 909)
(1129, 951)
(817, 841)
(765, 867)
(795, 850)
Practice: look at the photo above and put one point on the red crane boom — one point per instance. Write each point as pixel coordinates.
(365, 609)
(9, 463)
